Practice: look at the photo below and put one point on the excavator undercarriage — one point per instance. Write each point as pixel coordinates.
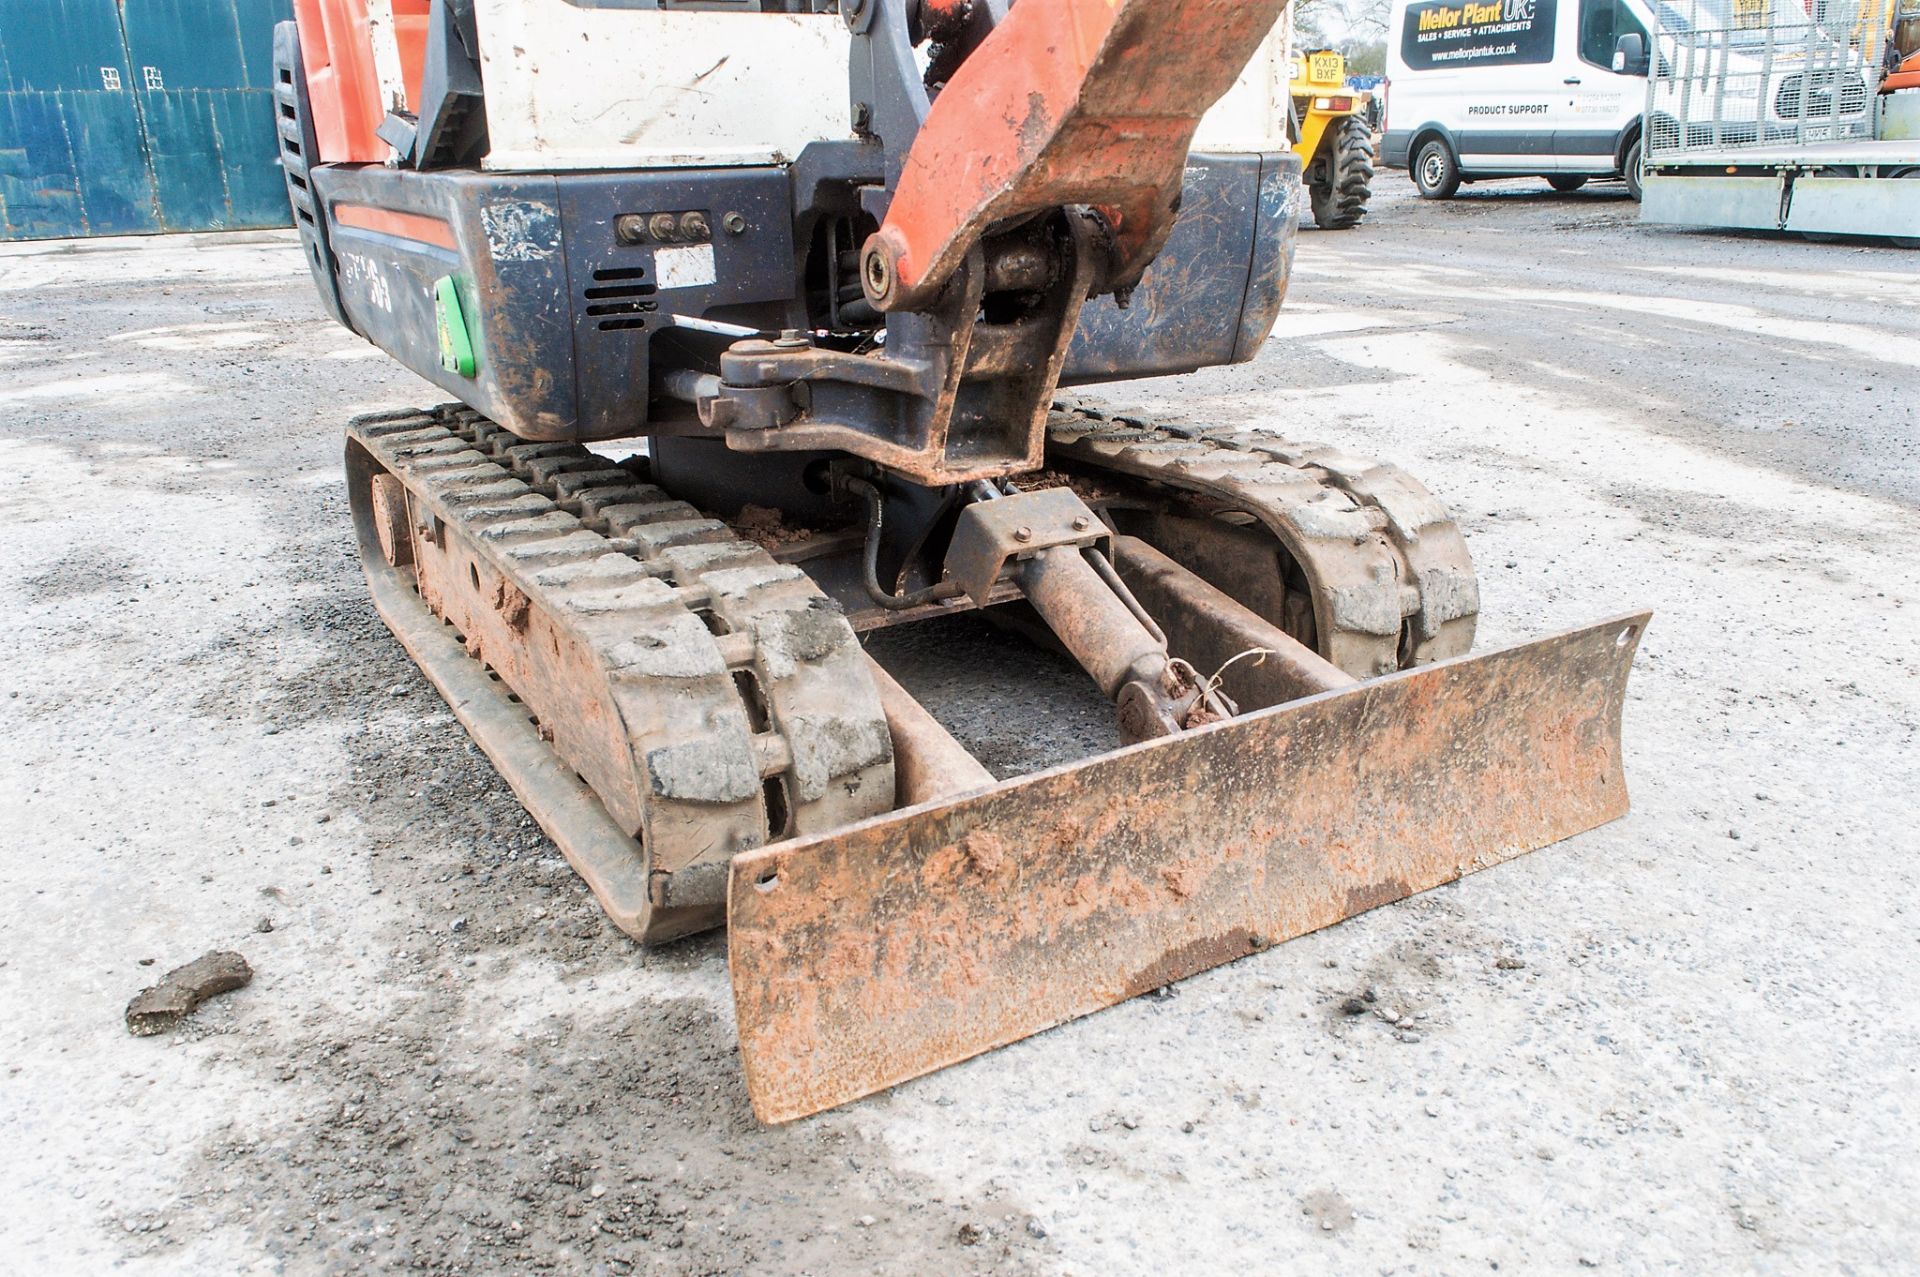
(844, 365)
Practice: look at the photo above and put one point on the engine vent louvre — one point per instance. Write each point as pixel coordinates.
(620, 297)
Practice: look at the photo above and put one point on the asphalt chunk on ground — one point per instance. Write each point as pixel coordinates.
(180, 992)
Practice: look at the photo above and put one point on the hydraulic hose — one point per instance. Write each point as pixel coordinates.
(885, 598)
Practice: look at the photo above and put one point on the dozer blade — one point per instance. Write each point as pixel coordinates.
(918, 939)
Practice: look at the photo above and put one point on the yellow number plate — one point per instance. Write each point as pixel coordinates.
(1326, 68)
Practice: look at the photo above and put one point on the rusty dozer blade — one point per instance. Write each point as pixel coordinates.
(915, 940)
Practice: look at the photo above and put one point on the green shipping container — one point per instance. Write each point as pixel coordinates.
(137, 116)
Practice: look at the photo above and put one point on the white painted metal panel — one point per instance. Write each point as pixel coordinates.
(1900, 117)
(386, 54)
(1253, 114)
(1751, 203)
(1885, 206)
(576, 88)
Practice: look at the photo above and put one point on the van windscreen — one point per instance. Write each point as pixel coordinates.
(1445, 34)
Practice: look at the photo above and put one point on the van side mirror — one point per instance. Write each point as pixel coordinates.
(1630, 54)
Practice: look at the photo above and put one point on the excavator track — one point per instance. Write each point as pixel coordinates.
(1376, 576)
(710, 698)
(663, 694)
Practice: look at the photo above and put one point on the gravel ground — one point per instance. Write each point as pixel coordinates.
(1684, 1042)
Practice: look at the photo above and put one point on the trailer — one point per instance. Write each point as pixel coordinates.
(1764, 115)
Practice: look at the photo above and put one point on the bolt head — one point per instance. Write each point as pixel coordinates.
(1081, 523)
(735, 224)
(876, 274)
(694, 227)
(630, 228)
(1023, 534)
(664, 227)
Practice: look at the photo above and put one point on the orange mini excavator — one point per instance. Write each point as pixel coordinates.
(834, 260)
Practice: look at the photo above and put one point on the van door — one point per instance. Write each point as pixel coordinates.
(1600, 102)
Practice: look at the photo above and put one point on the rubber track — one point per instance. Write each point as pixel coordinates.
(736, 690)
(1391, 580)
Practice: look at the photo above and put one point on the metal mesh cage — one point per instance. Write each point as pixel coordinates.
(1729, 74)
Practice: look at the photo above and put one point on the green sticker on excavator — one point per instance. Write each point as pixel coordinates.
(456, 347)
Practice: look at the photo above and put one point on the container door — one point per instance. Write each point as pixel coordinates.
(203, 71)
(72, 159)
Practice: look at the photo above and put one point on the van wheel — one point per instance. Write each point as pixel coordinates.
(1343, 181)
(1630, 169)
(1565, 182)
(1435, 174)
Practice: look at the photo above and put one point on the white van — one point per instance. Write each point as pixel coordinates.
(1516, 88)
(1558, 88)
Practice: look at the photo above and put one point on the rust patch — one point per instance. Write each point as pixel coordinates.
(1191, 959)
(511, 603)
(1181, 879)
(984, 851)
(1361, 899)
(942, 867)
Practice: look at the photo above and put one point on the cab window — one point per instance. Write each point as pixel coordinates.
(1602, 23)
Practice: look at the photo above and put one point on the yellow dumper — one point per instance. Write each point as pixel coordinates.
(1333, 138)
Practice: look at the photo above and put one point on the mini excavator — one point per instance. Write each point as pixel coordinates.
(834, 261)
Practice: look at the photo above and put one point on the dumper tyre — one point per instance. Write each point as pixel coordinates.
(1436, 174)
(1344, 181)
(1567, 183)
